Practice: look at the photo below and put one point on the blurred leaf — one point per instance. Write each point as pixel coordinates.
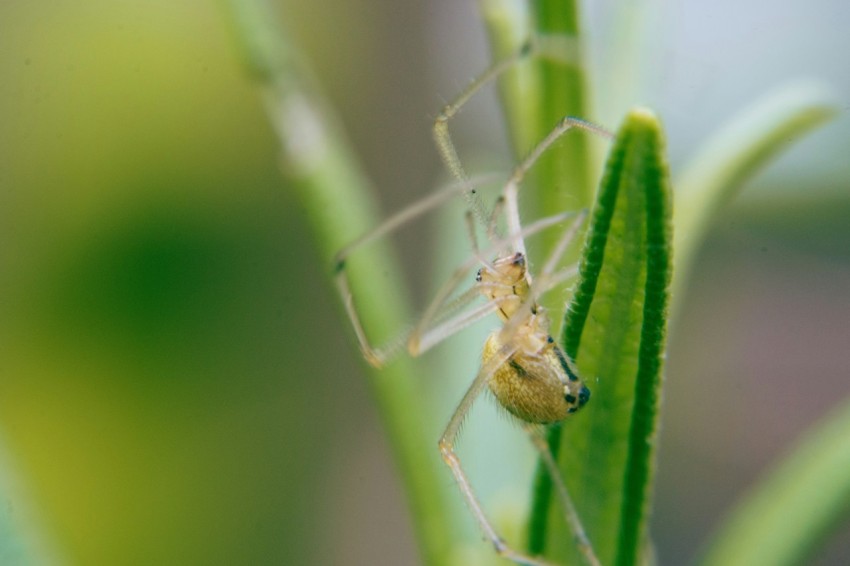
(736, 153)
(615, 329)
(796, 506)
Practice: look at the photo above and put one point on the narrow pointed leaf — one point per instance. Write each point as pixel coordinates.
(615, 328)
(736, 152)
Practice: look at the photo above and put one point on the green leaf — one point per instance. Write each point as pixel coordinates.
(735, 153)
(793, 509)
(615, 328)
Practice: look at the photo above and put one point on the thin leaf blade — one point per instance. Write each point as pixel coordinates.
(615, 328)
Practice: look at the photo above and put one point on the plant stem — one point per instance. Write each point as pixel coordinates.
(335, 196)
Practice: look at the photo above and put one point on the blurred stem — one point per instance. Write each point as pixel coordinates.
(539, 93)
(564, 172)
(508, 26)
(337, 200)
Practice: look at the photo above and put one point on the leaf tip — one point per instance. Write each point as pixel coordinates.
(644, 118)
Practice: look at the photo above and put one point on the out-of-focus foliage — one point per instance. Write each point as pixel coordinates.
(175, 386)
(154, 397)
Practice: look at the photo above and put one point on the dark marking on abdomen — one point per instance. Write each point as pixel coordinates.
(518, 368)
(565, 365)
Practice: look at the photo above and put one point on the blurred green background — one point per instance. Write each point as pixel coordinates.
(176, 383)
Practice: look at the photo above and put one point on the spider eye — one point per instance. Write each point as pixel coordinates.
(583, 396)
(478, 276)
(519, 259)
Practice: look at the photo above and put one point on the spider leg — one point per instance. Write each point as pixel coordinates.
(378, 355)
(511, 188)
(561, 246)
(570, 513)
(442, 304)
(447, 450)
(409, 213)
(443, 138)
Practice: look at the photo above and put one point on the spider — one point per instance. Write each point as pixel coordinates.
(522, 365)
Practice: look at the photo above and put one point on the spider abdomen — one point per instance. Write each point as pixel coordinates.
(535, 387)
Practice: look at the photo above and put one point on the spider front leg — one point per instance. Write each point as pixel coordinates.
(443, 140)
(553, 47)
(378, 355)
(434, 325)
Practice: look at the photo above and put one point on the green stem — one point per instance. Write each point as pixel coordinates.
(564, 171)
(336, 198)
